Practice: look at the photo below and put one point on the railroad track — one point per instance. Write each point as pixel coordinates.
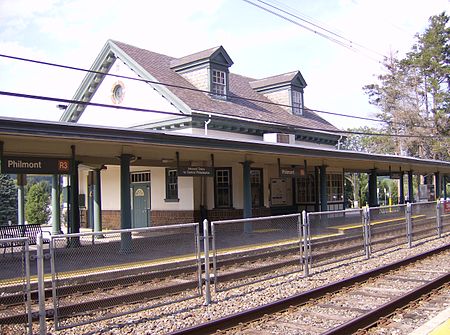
(342, 307)
(102, 292)
(157, 283)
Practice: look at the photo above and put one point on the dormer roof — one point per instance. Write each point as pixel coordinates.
(216, 55)
(293, 79)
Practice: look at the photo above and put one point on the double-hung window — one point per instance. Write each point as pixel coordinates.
(297, 103)
(222, 188)
(171, 184)
(219, 84)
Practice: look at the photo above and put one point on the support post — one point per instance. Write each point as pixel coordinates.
(74, 226)
(323, 188)
(56, 205)
(437, 185)
(402, 189)
(125, 203)
(445, 187)
(97, 202)
(410, 187)
(21, 181)
(247, 187)
(373, 199)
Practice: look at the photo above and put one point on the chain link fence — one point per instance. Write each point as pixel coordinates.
(388, 227)
(444, 210)
(424, 222)
(15, 287)
(336, 236)
(102, 275)
(250, 250)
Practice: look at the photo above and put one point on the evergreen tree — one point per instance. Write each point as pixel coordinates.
(37, 203)
(8, 203)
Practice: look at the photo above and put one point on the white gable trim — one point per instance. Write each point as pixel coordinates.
(88, 87)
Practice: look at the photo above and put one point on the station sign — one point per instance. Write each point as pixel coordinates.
(195, 171)
(291, 172)
(35, 165)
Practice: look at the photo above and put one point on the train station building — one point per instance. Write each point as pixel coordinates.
(188, 139)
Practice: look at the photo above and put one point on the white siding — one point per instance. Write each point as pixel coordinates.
(137, 94)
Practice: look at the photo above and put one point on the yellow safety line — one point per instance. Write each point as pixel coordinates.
(375, 223)
(443, 329)
(173, 259)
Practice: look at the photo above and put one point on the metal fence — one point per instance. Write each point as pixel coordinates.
(444, 210)
(388, 227)
(264, 248)
(143, 268)
(15, 287)
(424, 222)
(148, 267)
(343, 231)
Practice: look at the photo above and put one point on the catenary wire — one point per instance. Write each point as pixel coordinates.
(328, 37)
(68, 67)
(329, 31)
(337, 131)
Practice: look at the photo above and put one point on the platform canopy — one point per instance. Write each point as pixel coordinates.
(101, 145)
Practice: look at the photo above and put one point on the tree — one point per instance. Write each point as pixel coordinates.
(413, 98)
(8, 204)
(37, 203)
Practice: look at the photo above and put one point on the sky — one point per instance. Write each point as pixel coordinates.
(261, 44)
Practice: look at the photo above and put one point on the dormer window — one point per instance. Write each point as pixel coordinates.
(207, 70)
(297, 102)
(219, 84)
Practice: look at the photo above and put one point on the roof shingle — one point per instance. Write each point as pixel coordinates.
(243, 101)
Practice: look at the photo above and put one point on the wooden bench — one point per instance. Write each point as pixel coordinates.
(31, 231)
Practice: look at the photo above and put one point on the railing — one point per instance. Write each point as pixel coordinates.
(346, 229)
(244, 252)
(15, 286)
(264, 243)
(125, 256)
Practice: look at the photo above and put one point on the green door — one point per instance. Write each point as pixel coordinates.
(141, 204)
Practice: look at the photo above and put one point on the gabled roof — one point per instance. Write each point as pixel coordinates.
(242, 101)
(217, 54)
(292, 78)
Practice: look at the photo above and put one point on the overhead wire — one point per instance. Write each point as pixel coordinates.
(351, 43)
(86, 103)
(68, 67)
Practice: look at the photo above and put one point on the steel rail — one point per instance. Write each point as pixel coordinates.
(373, 316)
(277, 306)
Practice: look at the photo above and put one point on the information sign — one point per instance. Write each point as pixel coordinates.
(195, 171)
(35, 165)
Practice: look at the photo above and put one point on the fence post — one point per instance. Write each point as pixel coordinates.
(366, 230)
(408, 224)
(306, 254)
(206, 250)
(41, 284)
(28, 287)
(300, 238)
(439, 218)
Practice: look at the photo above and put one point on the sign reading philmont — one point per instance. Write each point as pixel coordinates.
(35, 165)
(195, 171)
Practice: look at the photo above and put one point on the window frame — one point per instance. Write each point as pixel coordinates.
(305, 189)
(335, 183)
(171, 194)
(229, 187)
(219, 83)
(297, 106)
(260, 187)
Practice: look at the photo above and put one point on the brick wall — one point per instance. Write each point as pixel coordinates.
(111, 218)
